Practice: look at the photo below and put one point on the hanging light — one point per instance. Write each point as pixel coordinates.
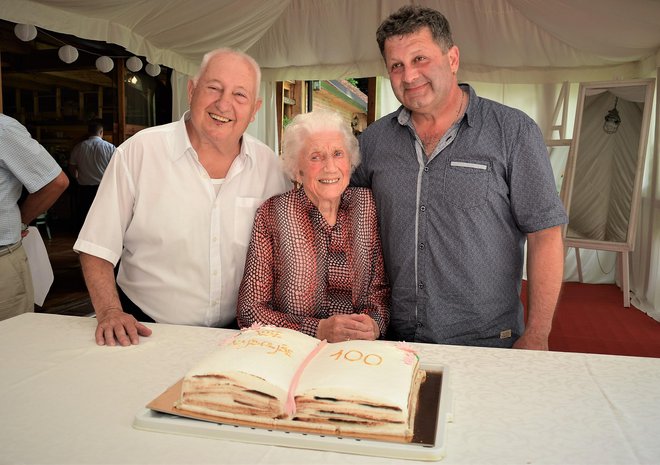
(104, 64)
(25, 32)
(134, 64)
(67, 53)
(612, 119)
(152, 70)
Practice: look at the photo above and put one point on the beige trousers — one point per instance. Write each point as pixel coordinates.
(16, 291)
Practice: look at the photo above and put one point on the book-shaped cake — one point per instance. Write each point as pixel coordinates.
(277, 377)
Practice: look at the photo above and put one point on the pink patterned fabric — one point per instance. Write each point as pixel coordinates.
(299, 269)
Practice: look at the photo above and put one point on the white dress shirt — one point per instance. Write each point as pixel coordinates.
(182, 247)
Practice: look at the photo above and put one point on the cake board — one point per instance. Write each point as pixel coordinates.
(428, 443)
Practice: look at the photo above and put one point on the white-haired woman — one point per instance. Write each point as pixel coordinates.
(314, 262)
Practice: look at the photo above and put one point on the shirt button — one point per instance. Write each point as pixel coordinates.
(426, 169)
(421, 246)
(419, 324)
(422, 208)
(421, 285)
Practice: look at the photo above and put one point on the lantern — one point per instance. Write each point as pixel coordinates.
(67, 53)
(152, 70)
(134, 64)
(104, 64)
(25, 32)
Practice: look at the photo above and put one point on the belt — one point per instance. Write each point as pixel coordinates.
(7, 249)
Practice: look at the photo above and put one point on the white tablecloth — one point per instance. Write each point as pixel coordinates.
(63, 399)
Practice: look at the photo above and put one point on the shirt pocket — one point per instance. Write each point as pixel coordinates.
(466, 183)
(246, 208)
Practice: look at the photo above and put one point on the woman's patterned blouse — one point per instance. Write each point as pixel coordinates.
(299, 269)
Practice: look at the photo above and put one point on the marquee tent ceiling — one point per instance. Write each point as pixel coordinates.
(500, 40)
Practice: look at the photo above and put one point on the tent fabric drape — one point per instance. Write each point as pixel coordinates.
(500, 40)
(513, 51)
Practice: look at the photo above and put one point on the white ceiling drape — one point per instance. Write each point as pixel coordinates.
(500, 40)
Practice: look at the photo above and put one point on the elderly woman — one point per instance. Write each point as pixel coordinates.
(314, 262)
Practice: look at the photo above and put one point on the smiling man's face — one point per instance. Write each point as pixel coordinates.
(223, 102)
(421, 74)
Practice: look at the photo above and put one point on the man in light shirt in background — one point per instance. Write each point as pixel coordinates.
(176, 205)
(87, 163)
(24, 163)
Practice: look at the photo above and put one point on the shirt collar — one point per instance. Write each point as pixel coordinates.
(182, 145)
(404, 117)
(314, 212)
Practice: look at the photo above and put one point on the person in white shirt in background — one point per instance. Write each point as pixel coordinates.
(87, 163)
(175, 208)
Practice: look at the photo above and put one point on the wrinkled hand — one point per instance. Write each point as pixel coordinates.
(339, 328)
(116, 326)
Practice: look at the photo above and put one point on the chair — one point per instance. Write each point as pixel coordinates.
(42, 220)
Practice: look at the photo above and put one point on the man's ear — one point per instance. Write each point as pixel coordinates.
(454, 58)
(191, 89)
(257, 106)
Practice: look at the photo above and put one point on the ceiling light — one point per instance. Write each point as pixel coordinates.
(152, 70)
(134, 64)
(25, 32)
(612, 119)
(104, 64)
(67, 53)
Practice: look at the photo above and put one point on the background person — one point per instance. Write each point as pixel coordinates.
(314, 263)
(460, 183)
(23, 163)
(176, 205)
(87, 163)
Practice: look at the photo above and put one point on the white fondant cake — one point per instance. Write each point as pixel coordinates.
(273, 376)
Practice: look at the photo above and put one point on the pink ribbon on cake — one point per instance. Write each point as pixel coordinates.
(290, 406)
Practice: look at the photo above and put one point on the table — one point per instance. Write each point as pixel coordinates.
(63, 399)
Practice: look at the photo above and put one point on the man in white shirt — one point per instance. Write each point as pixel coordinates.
(176, 205)
(87, 163)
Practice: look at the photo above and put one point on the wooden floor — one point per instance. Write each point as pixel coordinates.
(590, 318)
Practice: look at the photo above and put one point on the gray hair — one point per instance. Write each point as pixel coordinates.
(410, 19)
(305, 124)
(229, 51)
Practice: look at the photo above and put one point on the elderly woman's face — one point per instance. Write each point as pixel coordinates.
(324, 167)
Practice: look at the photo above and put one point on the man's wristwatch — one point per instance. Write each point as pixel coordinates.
(24, 227)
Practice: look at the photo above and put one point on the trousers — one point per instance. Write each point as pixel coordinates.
(16, 289)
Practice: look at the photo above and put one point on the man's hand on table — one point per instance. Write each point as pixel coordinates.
(115, 326)
(532, 341)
